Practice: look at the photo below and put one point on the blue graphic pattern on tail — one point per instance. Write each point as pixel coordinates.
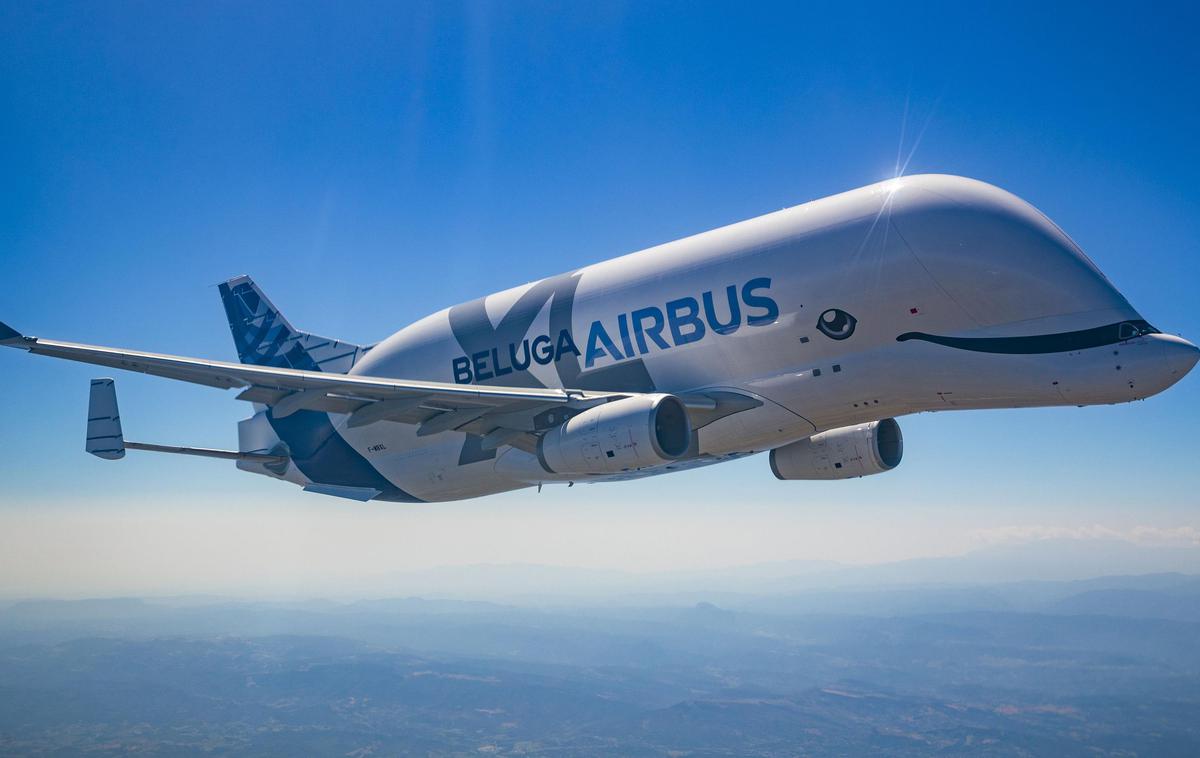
(263, 337)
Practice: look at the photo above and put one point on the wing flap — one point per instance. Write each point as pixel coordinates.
(326, 404)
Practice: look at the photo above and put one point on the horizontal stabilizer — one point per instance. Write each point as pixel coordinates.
(104, 436)
(105, 439)
(208, 452)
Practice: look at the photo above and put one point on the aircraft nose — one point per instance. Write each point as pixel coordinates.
(1179, 354)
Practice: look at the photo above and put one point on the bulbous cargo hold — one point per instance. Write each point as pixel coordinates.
(844, 453)
(623, 435)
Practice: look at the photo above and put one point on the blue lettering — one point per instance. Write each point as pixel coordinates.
(594, 350)
(735, 312)
(688, 318)
(481, 370)
(519, 365)
(462, 370)
(654, 331)
(623, 327)
(500, 370)
(565, 345)
(542, 356)
(759, 301)
(685, 312)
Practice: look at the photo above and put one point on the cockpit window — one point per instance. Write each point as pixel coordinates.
(1130, 329)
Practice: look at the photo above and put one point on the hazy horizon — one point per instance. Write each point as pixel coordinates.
(300, 570)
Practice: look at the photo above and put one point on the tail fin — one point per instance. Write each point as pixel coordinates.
(265, 338)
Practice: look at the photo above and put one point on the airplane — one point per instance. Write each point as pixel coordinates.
(804, 333)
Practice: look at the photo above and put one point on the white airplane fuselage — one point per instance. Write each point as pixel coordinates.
(917, 294)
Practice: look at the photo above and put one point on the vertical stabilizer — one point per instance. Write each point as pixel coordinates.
(265, 338)
(104, 436)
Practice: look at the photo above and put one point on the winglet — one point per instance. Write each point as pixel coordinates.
(104, 436)
(8, 335)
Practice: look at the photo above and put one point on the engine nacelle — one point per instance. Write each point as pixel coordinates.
(841, 453)
(631, 433)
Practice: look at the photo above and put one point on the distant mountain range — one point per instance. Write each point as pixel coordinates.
(1040, 560)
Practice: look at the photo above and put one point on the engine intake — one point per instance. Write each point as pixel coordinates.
(841, 453)
(625, 434)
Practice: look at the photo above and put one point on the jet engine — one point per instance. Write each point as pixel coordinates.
(631, 433)
(841, 453)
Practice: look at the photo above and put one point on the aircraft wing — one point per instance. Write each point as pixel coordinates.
(436, 406)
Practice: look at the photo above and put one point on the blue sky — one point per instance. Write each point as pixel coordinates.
(371, 163)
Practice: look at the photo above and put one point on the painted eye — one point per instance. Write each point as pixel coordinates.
(836, 324)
